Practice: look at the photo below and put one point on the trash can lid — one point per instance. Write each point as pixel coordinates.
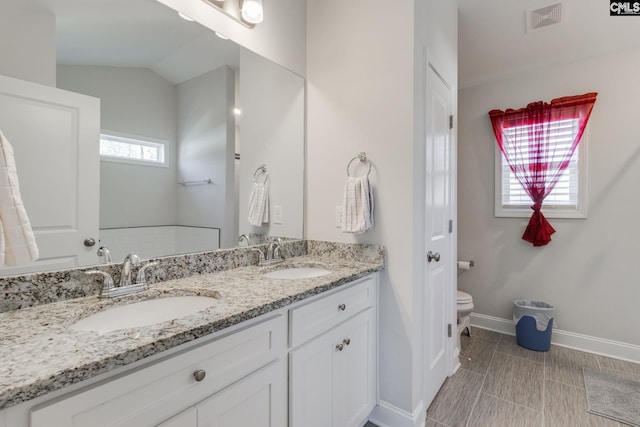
(464, 297)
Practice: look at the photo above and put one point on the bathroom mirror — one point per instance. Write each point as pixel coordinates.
(207, 112)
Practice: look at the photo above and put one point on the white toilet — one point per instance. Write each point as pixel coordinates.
(465, 307)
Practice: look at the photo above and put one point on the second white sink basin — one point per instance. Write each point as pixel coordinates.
(297, 273)
(143, 313)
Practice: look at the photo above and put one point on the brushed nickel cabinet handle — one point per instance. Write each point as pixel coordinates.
(199, 375)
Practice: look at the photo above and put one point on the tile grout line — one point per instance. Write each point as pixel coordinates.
(484, 379)
(510, 402)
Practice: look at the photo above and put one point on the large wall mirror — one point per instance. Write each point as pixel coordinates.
(186, 125)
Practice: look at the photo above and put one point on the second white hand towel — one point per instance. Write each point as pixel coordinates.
(357, 206)
(17, 241)
(259, 203)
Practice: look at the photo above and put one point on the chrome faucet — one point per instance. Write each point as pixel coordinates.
(246, 238)
(131, 260)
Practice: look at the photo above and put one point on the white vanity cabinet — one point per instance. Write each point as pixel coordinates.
(312, 364)
(332, 376)
(244, 371)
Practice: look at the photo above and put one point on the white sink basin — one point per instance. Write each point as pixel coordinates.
(297, 273)
(143, 313)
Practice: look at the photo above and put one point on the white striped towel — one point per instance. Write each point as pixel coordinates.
(17, 242)
(259, 203)
(357, 206)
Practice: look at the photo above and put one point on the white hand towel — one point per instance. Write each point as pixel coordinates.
(357, 206)
(259, 203)
(17, 242)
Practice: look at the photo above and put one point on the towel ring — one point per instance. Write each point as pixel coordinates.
(362, 156)
(262, 170)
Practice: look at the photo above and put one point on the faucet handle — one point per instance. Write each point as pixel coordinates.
(141, 278)
(107, 282)
(261, 256)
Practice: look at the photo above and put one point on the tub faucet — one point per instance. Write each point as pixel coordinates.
(130, 261)
(245, 238)
(104, 251)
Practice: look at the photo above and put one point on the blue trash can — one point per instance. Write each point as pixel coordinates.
(534, 322)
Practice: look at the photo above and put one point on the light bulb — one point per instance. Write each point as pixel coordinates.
(185, 17)
(252, 11)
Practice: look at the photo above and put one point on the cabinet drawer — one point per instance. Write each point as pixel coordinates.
(318, 316)
(154, 393)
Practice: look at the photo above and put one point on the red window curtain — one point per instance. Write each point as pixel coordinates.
(527, 138)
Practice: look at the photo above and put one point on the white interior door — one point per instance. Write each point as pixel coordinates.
(437, 304)
(55, 136)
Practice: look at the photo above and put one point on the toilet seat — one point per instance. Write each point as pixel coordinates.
(464, 298)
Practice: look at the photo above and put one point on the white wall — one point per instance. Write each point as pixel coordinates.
(151, 242)
(280, 37)
(589, 270)
(362, 97)
(206, 151)
(137, 102)
(272, 133)
(28, 45)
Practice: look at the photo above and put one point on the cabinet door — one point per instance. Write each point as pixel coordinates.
(332, 378)
(311, 382)
(188, 418)
(354, 394)
(258, 400)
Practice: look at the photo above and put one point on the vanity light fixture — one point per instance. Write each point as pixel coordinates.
(185, 17)
(252, 11)
(247, 13)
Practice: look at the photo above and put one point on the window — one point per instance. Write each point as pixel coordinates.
(568, 198)
(132, 149)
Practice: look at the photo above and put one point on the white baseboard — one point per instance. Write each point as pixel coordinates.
(602, 346)
(388, 415)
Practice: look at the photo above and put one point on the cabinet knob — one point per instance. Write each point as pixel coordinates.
(199, 375)
(342, 307)
(89, 241)
(339, 347)
(346, 341)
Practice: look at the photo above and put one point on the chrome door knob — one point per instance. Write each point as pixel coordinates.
(89, 241)
(433, 256)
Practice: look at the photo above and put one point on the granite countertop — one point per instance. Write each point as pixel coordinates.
(40, 353)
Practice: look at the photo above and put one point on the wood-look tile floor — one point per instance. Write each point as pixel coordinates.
(501, 384)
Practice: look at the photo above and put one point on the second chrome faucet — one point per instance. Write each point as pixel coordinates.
(125, 287)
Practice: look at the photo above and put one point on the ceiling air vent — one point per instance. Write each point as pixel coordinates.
(544, 17)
